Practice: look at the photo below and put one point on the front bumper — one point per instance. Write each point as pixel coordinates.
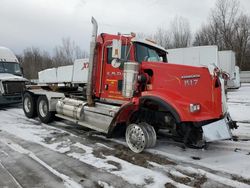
(218, 130)
(10, 99)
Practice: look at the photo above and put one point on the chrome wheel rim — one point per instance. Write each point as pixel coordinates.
(136, 138)
(43, 108)
(27, 104)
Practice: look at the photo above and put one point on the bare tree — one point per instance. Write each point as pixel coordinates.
(67, 52)
(162, 38)
(177, 36)
(224, 16)
(228, 28)
(180, 32)
(34, 60)
(242, 39)
(207, 35)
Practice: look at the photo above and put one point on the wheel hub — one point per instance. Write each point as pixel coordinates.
(136, 138)
(140, 136)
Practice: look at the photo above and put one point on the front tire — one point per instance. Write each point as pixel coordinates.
(43, 110)
(140, 136)
(29, 105)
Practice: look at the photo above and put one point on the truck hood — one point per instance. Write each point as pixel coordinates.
(183, 85)
(11, 77)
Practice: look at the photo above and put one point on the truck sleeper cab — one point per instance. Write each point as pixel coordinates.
(131, 84)
(12, 84)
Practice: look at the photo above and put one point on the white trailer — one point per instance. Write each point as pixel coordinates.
(206, 56)
(12, 83)
(227, 62)
(76, 73)
(194, 56)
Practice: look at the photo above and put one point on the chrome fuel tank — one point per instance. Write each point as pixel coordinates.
(70, 107)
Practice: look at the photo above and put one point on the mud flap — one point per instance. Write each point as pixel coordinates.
(215, 131)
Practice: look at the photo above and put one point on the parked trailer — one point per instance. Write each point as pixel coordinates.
(194, 56)
(206, 56)
(227, 62)
(75, 74)
(130, 85)
(12, 83)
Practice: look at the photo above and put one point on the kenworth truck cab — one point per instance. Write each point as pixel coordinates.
(12, 83)
(131, 85)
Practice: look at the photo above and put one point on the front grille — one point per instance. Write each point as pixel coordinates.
(13, 87)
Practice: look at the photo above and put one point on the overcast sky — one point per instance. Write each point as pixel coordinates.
(43, 23)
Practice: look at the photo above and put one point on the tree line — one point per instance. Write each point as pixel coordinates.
(34, 60)
(227, 26)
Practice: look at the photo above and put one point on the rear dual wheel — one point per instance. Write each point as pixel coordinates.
(43, 112)
(140, 136)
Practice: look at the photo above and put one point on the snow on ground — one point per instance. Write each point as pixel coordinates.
(224, 156)
(239, 103)
(68, 182)
(222, 164)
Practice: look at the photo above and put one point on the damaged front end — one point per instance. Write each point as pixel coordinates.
(219, 130)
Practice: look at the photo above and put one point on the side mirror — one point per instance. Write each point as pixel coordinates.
(116, 49)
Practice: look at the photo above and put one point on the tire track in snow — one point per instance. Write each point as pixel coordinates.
(68, 182)
(12, 177)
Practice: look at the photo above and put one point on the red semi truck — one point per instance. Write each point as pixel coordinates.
(131, 85)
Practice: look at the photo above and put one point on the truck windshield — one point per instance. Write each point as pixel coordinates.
(10, 67)
(145, 52)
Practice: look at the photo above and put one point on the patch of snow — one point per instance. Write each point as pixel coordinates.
(137, 175)
(240, 95)
(105, 146)
(60, 147)
(104, 184)
(243, 131)
(239, 112)
(225, 181)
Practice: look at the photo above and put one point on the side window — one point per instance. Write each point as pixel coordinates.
(141, 53)
(109, 54)
(124, 55)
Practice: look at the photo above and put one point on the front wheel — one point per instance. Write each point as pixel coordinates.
(140, 136)
(43, 110)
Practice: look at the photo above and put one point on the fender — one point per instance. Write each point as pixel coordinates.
(164, 104)
(122, 115)
(128, 108)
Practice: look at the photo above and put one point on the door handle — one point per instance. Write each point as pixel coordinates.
(106, 87)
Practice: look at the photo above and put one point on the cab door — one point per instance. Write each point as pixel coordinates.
(113, 76)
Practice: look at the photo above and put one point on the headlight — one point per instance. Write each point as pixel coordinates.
(194, 108)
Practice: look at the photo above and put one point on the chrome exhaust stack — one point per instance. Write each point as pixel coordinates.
(89, 92)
